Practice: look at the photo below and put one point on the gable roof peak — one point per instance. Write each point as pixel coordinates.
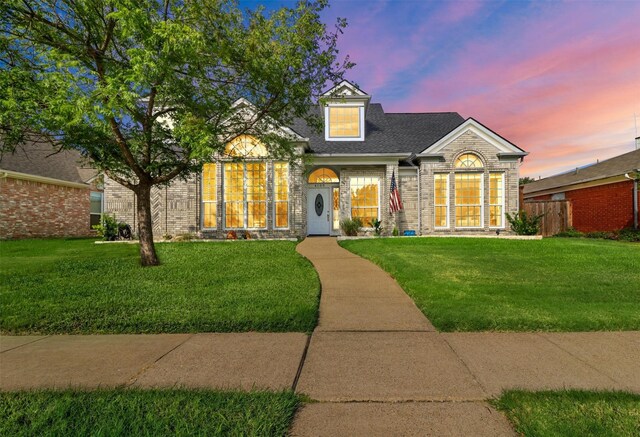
(346, 89)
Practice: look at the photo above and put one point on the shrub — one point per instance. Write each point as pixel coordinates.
(601, 234)
(395, 232)
(377, 226)
(629, 234)
(107, 228)
(351, 227)
(523, 224)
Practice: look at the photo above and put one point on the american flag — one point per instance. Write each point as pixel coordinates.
(395, 204)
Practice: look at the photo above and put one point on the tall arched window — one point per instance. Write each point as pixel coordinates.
(469, 191)
(323, 176)
(245, 185)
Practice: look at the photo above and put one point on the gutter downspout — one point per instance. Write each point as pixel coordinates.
(635, 204)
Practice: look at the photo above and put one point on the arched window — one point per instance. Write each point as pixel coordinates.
(246, 146)
(468, 160)
(323, 176)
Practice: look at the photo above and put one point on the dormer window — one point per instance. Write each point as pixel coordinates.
(344, 122)
(344, 113)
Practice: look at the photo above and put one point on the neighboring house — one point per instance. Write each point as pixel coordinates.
(47, 193)
(454, 176)
(601, 196)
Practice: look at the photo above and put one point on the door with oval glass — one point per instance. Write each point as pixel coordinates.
(319, 211)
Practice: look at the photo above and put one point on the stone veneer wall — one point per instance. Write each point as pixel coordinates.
(176, 209)
(30, 209)
(467, 142)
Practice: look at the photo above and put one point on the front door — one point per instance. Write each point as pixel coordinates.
(319, 211)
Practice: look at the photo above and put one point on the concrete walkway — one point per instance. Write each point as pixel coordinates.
(378, 367)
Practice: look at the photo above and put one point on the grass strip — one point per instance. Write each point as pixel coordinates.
(146, 412)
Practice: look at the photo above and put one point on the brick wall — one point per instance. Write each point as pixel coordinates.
(176, 208)
(31, 209)
(408, 217)
(603, 208)
(467, 142)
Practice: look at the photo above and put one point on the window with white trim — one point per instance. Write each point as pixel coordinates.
(209, 195)
(245, 195)
(496, 200)
(365, 199)
(469, 198)
(281, 194)
(441, 200)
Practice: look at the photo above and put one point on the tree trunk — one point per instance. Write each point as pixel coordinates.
(148, 255)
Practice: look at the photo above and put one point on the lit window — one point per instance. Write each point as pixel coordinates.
(468, 200)
(209, 195)
(496, 199)
(245, 195)
(344, 122)
(468, 160)
(323, 176)
(95, 212)
(281, 194)
(246, 146)
(336, 208)
(441, 200)
(365, 199)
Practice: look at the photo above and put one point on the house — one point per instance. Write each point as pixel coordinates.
(47, 193)
(453, 175)
(603, 196)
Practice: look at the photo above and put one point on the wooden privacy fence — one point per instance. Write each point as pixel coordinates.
(557, 215)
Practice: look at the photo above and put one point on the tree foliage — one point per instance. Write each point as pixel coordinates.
(146, 89)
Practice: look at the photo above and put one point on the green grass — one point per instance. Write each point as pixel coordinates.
(78, 287)
(151, 413)
(555, 284)
(572, 413)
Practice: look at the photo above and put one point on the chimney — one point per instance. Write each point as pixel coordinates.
(637, 143)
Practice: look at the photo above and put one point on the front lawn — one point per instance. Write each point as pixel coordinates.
(148, 412)
(78, 287)
(572, 413)
(477, 284)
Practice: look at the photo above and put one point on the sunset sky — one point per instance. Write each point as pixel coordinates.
(559, 79)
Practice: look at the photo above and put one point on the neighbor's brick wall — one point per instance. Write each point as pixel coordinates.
(467, 142)
(31, 209)
(603, 208)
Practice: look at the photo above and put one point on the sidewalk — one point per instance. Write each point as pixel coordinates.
(375, 364)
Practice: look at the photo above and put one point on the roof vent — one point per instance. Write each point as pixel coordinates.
(637, 143)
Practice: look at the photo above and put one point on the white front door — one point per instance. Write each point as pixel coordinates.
(318, 211)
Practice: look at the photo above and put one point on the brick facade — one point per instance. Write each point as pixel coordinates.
(176, 209)
(602, 208)
(467, 142)
(407, 219)
(30, 209)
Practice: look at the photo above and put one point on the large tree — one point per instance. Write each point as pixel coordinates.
(146, 88)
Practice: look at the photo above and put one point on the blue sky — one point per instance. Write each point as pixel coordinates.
(559, 79)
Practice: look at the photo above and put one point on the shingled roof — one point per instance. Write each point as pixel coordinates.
(42, 159)
(616, 166)
(386, 132)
